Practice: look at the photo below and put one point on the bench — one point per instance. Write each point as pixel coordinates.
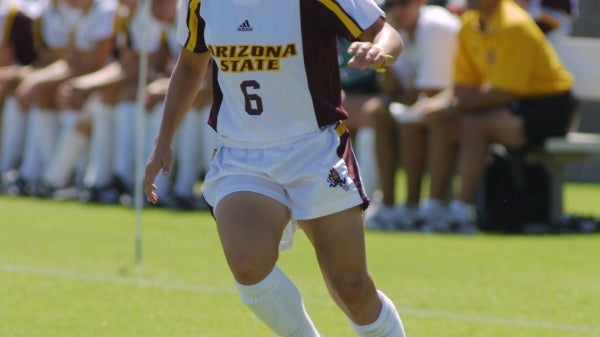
(581, 55)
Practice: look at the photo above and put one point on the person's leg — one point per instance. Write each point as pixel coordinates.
(344, 267)
(442, 157)
(360, 109)
(250, 226)
(14, 124)
(413, 144)
(99, 169)
(124, 142)
(70, 146)
(188, 152)
(477, 132)
(386, 145)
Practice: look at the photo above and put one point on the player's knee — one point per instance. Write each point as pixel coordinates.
(247, 269)
(351, 290)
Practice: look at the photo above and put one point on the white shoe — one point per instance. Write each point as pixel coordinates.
(407, 218)
(461, 218)
(435, 215)
(381, 218)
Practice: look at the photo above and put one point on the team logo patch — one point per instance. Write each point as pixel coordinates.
(245, 27)
(335, 179)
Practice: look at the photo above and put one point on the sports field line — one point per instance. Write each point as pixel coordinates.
(183, 286)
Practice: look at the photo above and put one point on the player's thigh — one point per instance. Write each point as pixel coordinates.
(250, 227)
(502, 126)
(339, 243)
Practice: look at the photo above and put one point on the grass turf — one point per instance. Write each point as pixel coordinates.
(68, 269)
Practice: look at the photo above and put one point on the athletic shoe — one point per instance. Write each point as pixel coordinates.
(461, 218)
(434, 214)
(380, 218)
(407, 218)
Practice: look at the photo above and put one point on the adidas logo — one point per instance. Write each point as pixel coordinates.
(245, 27)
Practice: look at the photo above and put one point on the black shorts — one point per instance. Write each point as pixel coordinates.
(547, 116)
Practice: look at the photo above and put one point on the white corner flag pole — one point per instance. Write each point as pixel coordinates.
(140, 135)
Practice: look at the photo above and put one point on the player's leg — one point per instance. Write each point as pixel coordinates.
(344, 267)
(124, 142)
(477, 132)
(250, 226)
(14, 123)
(71, 145)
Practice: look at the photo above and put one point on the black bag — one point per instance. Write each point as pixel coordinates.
(514, 194)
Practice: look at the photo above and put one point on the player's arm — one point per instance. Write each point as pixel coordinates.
(184, 85)
(378, 47)
(185, 82)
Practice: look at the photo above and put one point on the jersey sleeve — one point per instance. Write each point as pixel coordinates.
(354, 16)
(435, 67)
(190, 27)
(104, 21)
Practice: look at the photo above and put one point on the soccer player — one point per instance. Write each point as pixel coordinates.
(509, 88)
(17, 52)
(283, 151)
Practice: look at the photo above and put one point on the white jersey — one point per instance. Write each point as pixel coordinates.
(427, 61)
(95, 25)
(57, 23)
(145, 31)
(275, 62)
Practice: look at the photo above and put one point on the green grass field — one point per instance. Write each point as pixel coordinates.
(68, 270)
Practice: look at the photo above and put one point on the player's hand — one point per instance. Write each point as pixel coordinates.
(160, 159)
(71, 96)
(433, 108)
(366, 55)
(24, 94)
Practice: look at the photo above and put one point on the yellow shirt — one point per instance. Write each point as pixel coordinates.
(511, 54)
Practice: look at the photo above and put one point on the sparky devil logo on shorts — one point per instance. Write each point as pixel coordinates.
(334, 179)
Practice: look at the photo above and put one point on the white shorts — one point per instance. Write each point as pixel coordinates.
(314, 176)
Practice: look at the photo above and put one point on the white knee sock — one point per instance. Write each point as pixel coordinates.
(367, 160)
(70, 146)
(277, 302)
(124, 141)
(14, 124)
(47, 135)
(30, 168)
(99, 169)
(188, 153)
(388, 324)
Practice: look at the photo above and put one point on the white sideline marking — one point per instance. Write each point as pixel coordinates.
(182, 286)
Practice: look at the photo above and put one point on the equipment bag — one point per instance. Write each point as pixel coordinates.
(514, 193)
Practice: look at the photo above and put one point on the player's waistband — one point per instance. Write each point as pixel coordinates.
(339, 128)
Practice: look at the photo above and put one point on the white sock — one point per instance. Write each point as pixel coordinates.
(277, 302)
(99, 170)
(367, 160)
(14, 124)
(124, 141)
(47, 134)
(30, 168)
(66, 151)
(69, 149)
(188, 153)
(388, 324)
